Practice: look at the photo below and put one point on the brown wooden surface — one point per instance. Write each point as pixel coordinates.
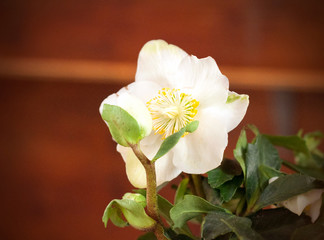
(279, 33)
(59, 167)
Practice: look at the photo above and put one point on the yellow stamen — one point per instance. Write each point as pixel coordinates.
(171, 110)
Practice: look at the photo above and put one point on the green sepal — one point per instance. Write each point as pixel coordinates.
(173, 139)
(133, 212)
(123, 127)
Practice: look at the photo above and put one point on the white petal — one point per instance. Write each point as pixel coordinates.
(134, 168)
(202, 150)
(203, 79)
(298, 203)
(158, 61)
(144, 90)
(165, 170)
(314, 209)
(235, 111)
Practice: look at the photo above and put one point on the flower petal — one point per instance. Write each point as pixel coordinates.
(165, 170)
(158, 61)
(298, 203)
(203, 79)
(134, 168)
(202, 150)
(314, 210)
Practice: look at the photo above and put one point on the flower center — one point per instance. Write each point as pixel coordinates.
(171, 110)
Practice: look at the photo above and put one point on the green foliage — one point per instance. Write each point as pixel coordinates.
(262, 152)
(240, 150)
(317, 173)
(181, 190)
(314, 158)
(221, 223)
(236, 193)
(123, 127)
(278, 223)
(228, 189)
(190, 207)
(133, 212)
(173, 139)
(217, 177)
(286, 187)
(294, 143)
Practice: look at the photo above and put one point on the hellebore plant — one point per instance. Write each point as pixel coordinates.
(175, 119)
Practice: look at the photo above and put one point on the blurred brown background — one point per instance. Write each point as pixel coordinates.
(60, 59)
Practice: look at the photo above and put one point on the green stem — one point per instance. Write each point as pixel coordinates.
(290, 165)
(151, 194)
(197, 183)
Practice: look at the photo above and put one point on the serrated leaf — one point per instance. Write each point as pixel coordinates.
(190, 207)
(294, 143)
(228, 189)
(133, 212)
(122, 126)
(220, 223)
(173, 139)
(217, 177)
(262, 152)
(317, 173)
(286, 187)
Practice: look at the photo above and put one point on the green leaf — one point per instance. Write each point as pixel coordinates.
(315, 158)
(133, 212)
(212, 194)
(164, 210)
(317, 173)
(122, 126)
(294, 143)
(240, 150)
(266, 173)
(286, 187)
(173, 139)
(217, 177)
(147, 236)
(262, 152)
(228, 189)
(190, 207)
(279, 223)
(220, 223)
(170, 234)
(254, 129)
(181, 190)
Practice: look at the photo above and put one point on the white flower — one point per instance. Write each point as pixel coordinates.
(178, 88)
(310, 202)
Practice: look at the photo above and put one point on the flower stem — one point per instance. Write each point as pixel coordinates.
(151, 194)
(197, 184)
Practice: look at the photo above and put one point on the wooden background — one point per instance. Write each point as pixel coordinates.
(60, 59)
